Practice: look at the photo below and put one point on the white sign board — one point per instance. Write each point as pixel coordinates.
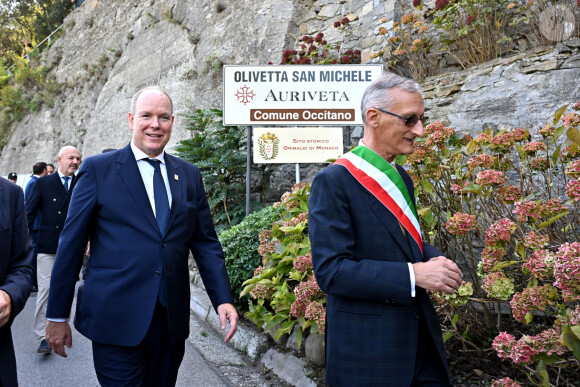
(296, 145)
(296, 94)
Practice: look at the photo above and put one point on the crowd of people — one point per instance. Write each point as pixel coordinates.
(138, 212)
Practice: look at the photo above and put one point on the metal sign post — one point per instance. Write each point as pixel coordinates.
(297, 173)
(248, 168)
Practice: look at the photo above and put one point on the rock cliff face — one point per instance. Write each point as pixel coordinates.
(112, 48)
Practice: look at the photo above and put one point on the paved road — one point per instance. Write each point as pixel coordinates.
(37, 370)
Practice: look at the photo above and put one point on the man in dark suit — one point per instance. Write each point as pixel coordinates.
(48, 201)
(15, 273)
(369, 256)
(143, 211)
(38, 170)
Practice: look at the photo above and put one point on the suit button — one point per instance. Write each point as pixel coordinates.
(415, 315)
(54, 200)
(163, 244)
(59, 212)
(157, 274)
(57, 227)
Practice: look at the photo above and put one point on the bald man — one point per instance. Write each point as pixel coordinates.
(49, 200)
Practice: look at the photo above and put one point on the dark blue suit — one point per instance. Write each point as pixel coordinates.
(360, 258)
(48, 200)
(15, 270)
(110, 207)
(27, 191)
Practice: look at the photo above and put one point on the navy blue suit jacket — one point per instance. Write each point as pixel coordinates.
(48, 200)
(110, 207)
(15, 269)
(360, 257)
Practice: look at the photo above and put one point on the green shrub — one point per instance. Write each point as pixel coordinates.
(240, 244)
(283, 289)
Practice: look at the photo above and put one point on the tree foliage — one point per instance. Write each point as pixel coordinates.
(28, 19)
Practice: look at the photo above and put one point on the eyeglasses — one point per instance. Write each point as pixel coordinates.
(410, 121)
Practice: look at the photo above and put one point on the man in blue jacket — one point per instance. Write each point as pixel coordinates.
(48, 201)
(369, 256)
(15, 273)
(38, 170)
(143, 211)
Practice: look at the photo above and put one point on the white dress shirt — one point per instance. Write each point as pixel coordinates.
(147, 171)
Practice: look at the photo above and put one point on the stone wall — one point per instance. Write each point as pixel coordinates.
(111, 48)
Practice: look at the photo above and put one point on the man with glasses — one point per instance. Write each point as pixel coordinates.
(369, 256)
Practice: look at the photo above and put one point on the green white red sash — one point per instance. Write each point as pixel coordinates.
(383, 181)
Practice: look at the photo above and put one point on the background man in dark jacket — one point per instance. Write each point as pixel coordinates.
(15, 273)
(48, 200)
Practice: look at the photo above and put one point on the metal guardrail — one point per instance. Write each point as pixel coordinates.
(48, 38)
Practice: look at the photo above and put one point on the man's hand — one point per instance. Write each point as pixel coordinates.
(228, 312)
(5, 307)
(57, 335)
(439, 273)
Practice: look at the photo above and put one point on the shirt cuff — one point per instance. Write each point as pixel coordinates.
(57, 319)
(412, 276)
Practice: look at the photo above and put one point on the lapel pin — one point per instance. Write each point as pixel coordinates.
(176, 177)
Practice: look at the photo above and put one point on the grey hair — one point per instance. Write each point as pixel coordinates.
(148, 88)
(377, 93)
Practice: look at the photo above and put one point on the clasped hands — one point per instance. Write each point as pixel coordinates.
(439, 273)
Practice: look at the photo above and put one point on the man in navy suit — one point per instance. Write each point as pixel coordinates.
(143, 211)
(48, 201)
(15, 273)
(369, 256)
(38, 170)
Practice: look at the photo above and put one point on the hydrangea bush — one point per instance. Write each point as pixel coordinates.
(317, 50)
(505, 206)
(283, 290)
(469, 32)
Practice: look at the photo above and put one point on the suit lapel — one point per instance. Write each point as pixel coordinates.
(391, 224)
(129, 173)
(409, 184)
(58, 185)
(175, 178)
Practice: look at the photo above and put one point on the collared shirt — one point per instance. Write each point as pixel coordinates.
(409, 264)
(62, 175)
(147, 171)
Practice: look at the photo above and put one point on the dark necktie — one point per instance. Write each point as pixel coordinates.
(66, 183)
(160, 196)
(162, 215)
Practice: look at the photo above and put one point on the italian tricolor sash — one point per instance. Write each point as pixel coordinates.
(383, 181)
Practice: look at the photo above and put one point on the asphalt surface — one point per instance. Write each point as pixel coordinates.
(77, 369)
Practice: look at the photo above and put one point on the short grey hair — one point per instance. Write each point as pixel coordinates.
(148, 88)
(377, 94)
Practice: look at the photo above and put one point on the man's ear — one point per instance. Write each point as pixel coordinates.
(131, 118)
(372, 116)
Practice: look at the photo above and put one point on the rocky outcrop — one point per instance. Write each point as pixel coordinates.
(111, 48)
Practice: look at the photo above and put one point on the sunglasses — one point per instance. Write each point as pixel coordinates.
(410, 121)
